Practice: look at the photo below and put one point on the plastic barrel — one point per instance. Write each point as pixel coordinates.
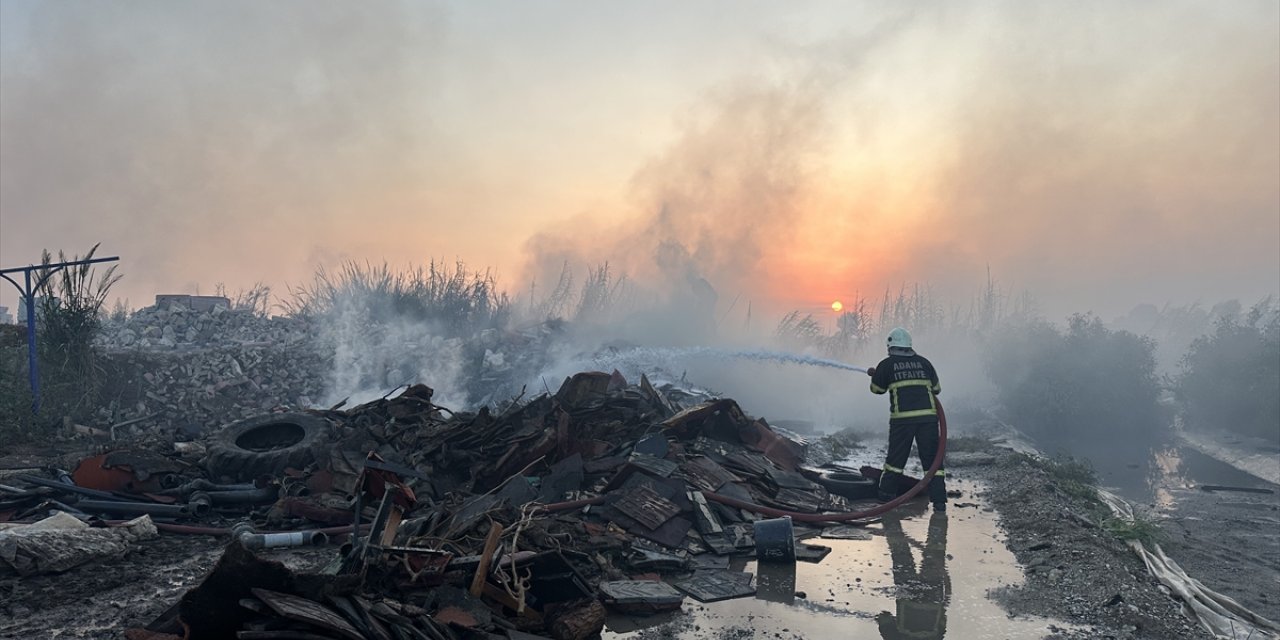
(774, 540)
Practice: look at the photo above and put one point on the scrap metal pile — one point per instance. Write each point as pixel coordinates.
(525, 522)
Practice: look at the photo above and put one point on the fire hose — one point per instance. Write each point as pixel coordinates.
(811, 517)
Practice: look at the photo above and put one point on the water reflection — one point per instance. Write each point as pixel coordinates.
(922, 591)
(776, 582)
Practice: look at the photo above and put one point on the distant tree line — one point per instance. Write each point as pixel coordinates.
(1089, 381)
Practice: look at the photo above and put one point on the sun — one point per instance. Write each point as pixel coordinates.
(836, 306)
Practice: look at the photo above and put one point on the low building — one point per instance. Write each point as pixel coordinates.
(194, 303)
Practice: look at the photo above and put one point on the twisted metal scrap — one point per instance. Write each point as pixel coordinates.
(515, 583)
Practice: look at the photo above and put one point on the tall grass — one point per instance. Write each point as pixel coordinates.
(454, 299)
(605, 296)
(68, 317)
(918, 307)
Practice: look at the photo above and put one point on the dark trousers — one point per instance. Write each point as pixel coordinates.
(925, 435)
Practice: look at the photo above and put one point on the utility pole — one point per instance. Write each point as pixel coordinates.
(29, 292)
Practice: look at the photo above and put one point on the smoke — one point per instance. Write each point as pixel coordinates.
(711, 206)
(372, 359)
(206, 140)
(1108, 165)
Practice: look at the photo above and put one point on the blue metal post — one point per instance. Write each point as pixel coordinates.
(30, 296)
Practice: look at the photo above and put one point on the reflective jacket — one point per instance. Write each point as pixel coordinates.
(911, 384)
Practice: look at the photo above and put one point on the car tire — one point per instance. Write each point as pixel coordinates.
(848, 484)
(265, 445)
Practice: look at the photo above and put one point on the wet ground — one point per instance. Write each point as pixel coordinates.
(918, 574)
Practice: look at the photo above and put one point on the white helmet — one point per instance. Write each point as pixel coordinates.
(899, 338)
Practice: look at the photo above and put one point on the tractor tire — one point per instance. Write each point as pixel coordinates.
(265, 445)
(848, 484)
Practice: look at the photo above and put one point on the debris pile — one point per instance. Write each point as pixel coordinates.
(177, 327)
(529, 522)
(183, 394)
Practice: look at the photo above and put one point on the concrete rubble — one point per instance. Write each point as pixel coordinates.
(528, 521)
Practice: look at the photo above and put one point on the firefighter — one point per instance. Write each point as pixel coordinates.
(912, 385)
(924, 590)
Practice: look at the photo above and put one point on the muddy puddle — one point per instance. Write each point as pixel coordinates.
(916, 574)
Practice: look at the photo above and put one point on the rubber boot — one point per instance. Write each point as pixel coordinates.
(938, 493)
(888, 489)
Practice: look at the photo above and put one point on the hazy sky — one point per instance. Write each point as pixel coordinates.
(1098, 154)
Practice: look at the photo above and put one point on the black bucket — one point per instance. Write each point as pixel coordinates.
(775, 541)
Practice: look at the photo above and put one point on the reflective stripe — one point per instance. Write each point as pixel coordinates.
(893, 399)
(875, 388)
(937, 388)
(892, 469)
(913, 414)
(942, 473)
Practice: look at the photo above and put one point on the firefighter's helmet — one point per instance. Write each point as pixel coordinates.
(899, 338)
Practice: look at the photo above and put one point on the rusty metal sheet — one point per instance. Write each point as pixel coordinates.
(719, 543)
(707, 520)
(456, 616)
(709, 561)
(671, 534)
(303, 610)
(846, 532)
(566, 475)
(645, 506)
(811, 552)
(802, 501)
(582, 387)
(749, 462)
(654, 466)
(742, 535)
(128, 471)
(716, 585)
(706, 474)
(631, 595)
(470, 514)
(783, 451)
(736, 491)
(790, 479)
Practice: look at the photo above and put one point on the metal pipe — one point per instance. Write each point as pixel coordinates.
(244, 496)
(200, 503)
(271, 540)
(54, 484)
(201, 484)
(103, 506)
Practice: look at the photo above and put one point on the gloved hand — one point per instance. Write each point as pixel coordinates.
(871, 371)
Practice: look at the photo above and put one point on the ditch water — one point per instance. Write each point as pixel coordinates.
(1158, 475)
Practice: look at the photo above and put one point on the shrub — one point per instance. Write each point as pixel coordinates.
(1230, 379)
(68, 317)
(1087, 383)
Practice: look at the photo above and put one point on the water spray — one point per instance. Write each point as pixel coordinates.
(642, 355)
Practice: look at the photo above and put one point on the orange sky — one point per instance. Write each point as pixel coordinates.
(794, 154)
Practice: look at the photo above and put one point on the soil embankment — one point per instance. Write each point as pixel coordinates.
(1080, 570)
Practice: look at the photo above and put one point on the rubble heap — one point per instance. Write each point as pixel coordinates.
(166, 393)
(177, 327)
(528, 521)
